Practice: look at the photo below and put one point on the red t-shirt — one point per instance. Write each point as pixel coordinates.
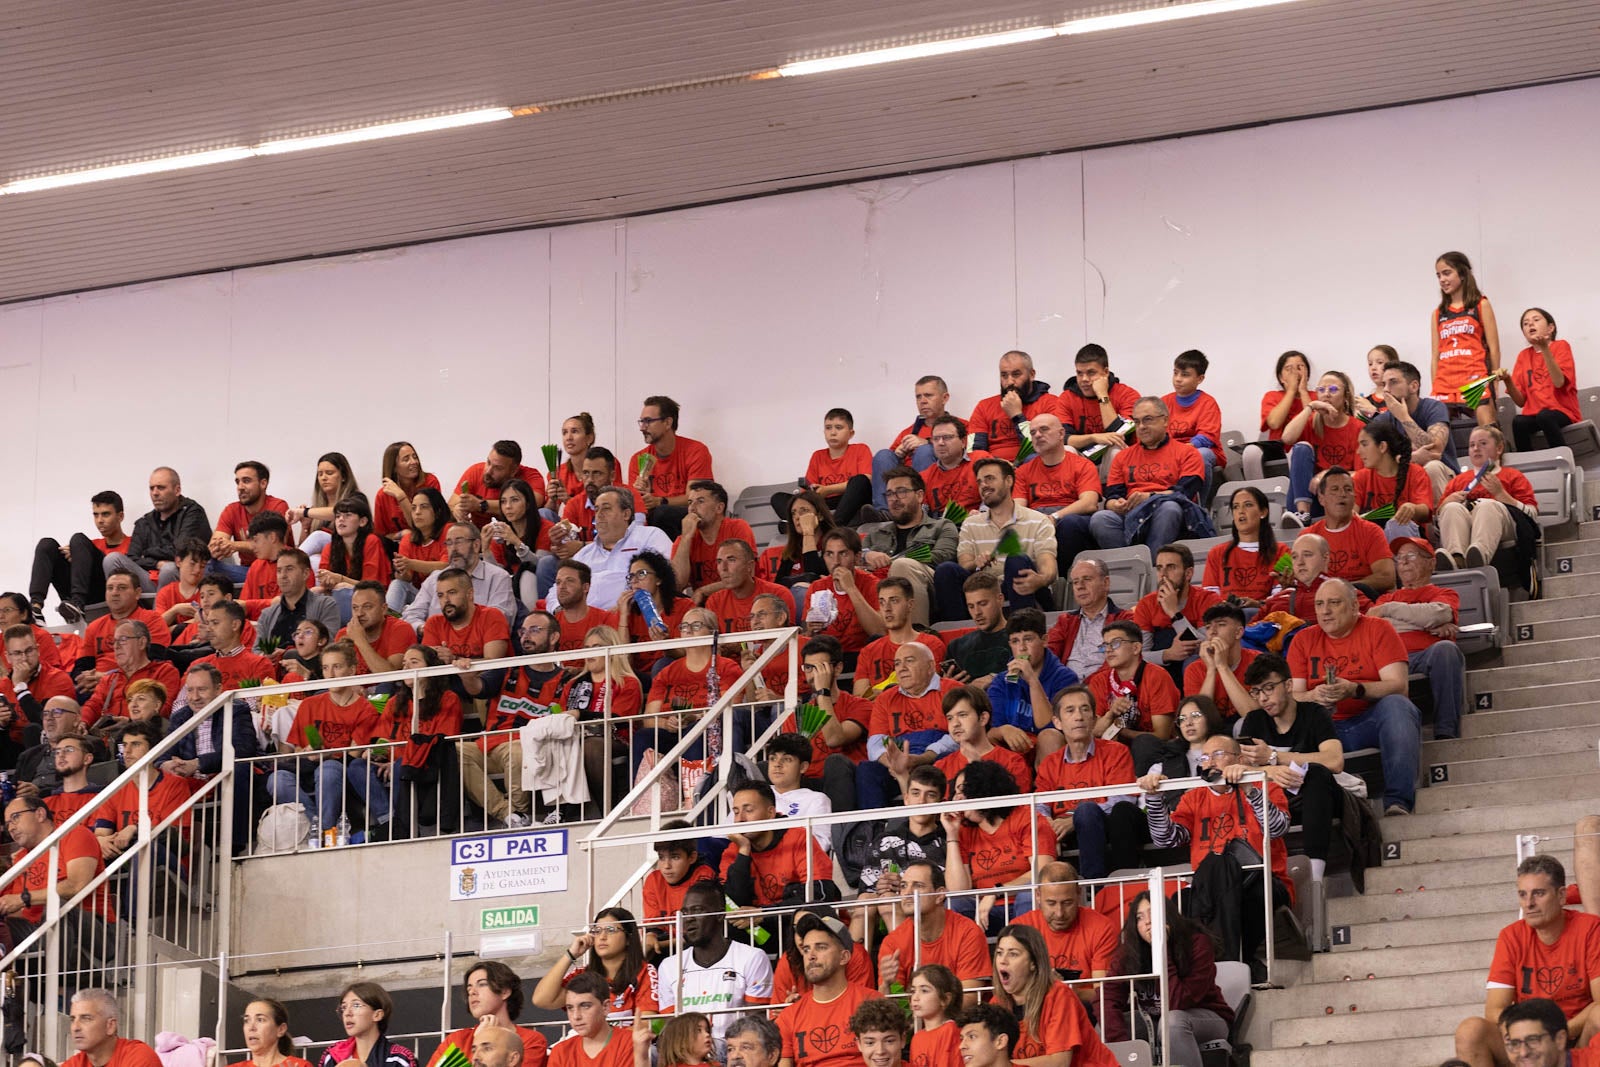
(1373, 490)
(1150, 687)
(846, 708)
(48, 683)
(818, 1035)
(1335, 445)
(1110, 763)
(662, 899)
(876, 661)
(1242, 571)
(1201, 417)
(1082, 414)
(1353, 550)
(677, 686)
(959, 483)
(998, 857)
(1539, 392)
(243, 665)
(191, 633)
(1088, 945)
(1358, 656)
(387, 517)
(618, 1051)
(703, 553)
(120, 809)
(98, 634)
(471, 481)
(690, 462)
(428, 552)
(579, 511)
(1064, 1027)
(78, 843)
(341, 725)
(782, 864)
(535, 1049)
(733, 611)
(825, 470)
(170, 596)
(395, 727)
(894, 714)
(375, 565)
(573, 633)
(846, 627)
(1512, 481)
(395, 637)
(1561, 972)
(128, 1053)
(639, 632)
(857, 970)
(110, 696)
(939, 1047)
(49, 651)
(1417, 640)
(260, 585)
(1150, 616)
(1270, 401)
(235, 522)
(486, 625)
(991, 419)
(1195, 674)
(1213, 821)
(1154, 470)
(1046, 488)
(957, 761)
(961, 947)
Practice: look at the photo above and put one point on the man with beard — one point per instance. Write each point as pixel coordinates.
(1026, 570)
(491, 586)
(998, 422)
(232, 534)
(477, 495)
(816, 1028)
(886, 546)
(661, 471)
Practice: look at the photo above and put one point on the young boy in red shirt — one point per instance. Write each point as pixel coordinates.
(841, 472)
(1193, 415)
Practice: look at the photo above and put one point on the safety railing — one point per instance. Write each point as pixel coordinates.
(78, 940)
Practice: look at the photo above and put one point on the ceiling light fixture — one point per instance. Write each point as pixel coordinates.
(920, 50)
(385, 129)
(126, 170)
(1165, 13)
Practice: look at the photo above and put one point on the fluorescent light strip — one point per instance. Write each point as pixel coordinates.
(126, 170)
(1166, 13)
(386, 129)
(921, 50)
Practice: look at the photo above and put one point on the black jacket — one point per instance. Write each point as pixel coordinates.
(155, 540)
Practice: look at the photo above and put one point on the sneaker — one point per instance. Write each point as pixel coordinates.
(1475, 557)
(36, 612)
(515, 820)
(70, 613)
(1293, 520)
(1397, 809)
(1442, 560)
(552, 819)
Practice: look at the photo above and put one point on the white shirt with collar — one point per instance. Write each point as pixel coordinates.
(608, 568)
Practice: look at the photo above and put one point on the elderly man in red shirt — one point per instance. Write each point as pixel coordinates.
(1428, 617)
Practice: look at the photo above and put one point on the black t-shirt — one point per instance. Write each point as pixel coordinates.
(1312, 726)
(902, 846)
(980, 653)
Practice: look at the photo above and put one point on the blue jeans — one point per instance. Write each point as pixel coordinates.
(1209, 459)
(1393, 726)
(341, 600)
(1446, 669)
(1000, 914)
(1107, 841)
(234, 572)
(1303, 468)
(284, 785)
(875, 786)
(1164, 526)
(544, 573)
(949, 577)
(884, 461)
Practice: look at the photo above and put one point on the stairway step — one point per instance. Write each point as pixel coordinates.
(1546, 648)
(1559, 629)
(1560, 585)
(1575, 549)
(1550, 608)
(1480, 926)
(1435, 1048)
(1527, 693)
(1519, 768)
(1450, 957)
(1520, 818)
(1488, 795)
(1587, 563)
(1373, 1026)
(1575, 738)
(1497, 867)
(1496, 679)
(1433, 903)
(1428, 850)
(1362, 994)
(1481, 724)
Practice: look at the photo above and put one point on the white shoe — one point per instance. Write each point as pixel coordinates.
(553, 819)
(515, 820)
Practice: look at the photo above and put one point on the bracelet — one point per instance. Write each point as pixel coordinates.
(27, 897)
(570, 956)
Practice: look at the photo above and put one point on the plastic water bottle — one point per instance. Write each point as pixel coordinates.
(647, 608)
(341, 835)
(315, 840)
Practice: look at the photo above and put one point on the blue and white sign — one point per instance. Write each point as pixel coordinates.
(506, 865)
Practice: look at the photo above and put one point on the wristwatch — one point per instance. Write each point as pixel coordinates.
(822, 692)
(483, 507)
(1361, 691)
(1272, 760)
(27, 897)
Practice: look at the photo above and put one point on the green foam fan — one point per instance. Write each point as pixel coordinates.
(1380, 514)
(955, 513)
(922, 553)
(1284, 567)
(1025, 450)
(453, 1057)
(1009, 544)
(812, 719)
(1472, 392)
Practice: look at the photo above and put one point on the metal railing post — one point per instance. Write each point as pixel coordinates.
(1158, 954)
(144, 899)
(1266, 877)
(222, 906)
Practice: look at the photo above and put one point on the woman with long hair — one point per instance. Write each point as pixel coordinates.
(1198, 719)
(422, 550)
(266, 1035)
(1475, 507)
(577, 437)
(1465, 340)
(1049, 1014)
(651, 572)
(334, 481)
(1542, 383)
(1244, 567)
(403, 479)
(591, 697)
(1196, 1010)
(303, 662)
(1293, 375)
(366, 1010)
(613, 949)
(684, 1042)
(1387, 478)
(422, 760)
(1323, 435)
(518, 538)
(798, 562)
(355, 554)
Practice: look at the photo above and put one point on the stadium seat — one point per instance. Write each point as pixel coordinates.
(1233, 980)
(1589, 402)
(1482, 604)
(1276, 489)
(1584, 440)
(1250, 458)
(1504, 409)
(1132, 575)
(1556, 482)
(754, 506)
(1200, 546)
(1233, 453)
(1132, 1053)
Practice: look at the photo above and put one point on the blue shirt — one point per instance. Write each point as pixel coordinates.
(1432, 412)
(1010, 700)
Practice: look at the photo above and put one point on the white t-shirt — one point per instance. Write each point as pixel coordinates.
(741, 973)
(802, 801)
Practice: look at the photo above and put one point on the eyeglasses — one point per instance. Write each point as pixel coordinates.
(12, 820)
(1515, 1045)
(341, 1010)
(306, 631)
(1329, 389)
(1115, 643)
(643, 422)
(638, 576)
(1190, 716)
(1205, 759)
(69, 748)
(1150, 420)
(459, 542)
(904, 492)
(944, 438)
(1258, 691)
(120, 641)
(609, 929)
(693, 628)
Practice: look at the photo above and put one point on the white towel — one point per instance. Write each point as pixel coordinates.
(552, 759)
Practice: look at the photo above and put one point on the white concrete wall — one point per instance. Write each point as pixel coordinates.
(759, 315)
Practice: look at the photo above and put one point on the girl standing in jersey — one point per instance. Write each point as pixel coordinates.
(1466, 342)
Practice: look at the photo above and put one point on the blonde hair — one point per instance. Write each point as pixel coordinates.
(148, 685)
(608, 635)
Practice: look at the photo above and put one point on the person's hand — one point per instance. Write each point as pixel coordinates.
(806, 523)
(1012, 737)
(384, 769)
(1322, 407)
(1491, 483)
(691, 524)
(950, 821)
(907, 445)
(985, 906)
(66, 553)
(86, 680)
(1285, 776)
(1180, 650)
(898, 760)
(740, 841)
(326, 578)
(1028, 581)
(1364, 406)
(557, 494)
(1151, 783)
(1457, 497)
(952, 670)
(1137, 498)
(888, 971)
(1233, 772)
(1207, 652)
(469, 503)
(844, 578)
(1119, 707)
(1102, 388)
(27, 791)
(1118, 506)
(1108, 438)
(1405, 513)
(10, 904)
(1011, 402)
(460, 663)
(7, 714)
(875, 561)
(392, 488)
(643, 1037)
(1255, 753)
(183, 768)
(294, 516)
(1062, 826)
(402, 568)
(700, 595)
(1446, 631)
(650, 501)
(1331, 693)
(580, 944)
(1167, 597)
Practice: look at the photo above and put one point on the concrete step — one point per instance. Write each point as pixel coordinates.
(1573, 549)
(1435, 1048)
(1486, 796)
(1550, 608)
(1520, 818)
(1528, 693)
(1373, 1026)
(1558, 629)
(1499, 679)
(1519, 768)
(1429, 904)
(1482, 926)
(1547, 648)
(1492, 868)
(1563, 585)
(1369, 995)
(1451, 957)
(1467, 846)
(1575, 563)
(1575, 738)
(1481, 724)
